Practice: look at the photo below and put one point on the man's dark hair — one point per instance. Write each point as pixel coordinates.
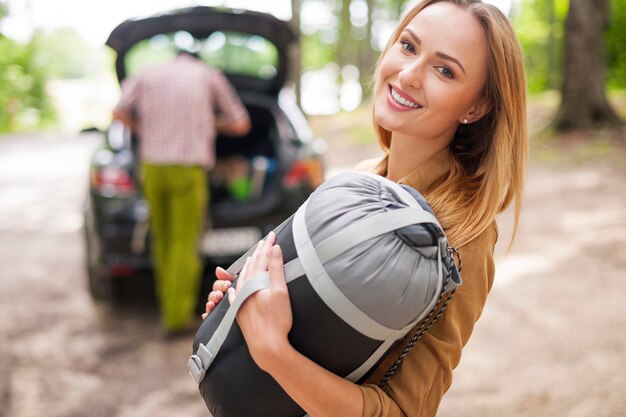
(194, 54)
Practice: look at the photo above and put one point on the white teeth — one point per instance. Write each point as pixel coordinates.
(397, 97)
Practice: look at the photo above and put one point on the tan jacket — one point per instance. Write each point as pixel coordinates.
(416, 389)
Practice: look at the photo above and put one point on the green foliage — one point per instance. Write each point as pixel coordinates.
(616, 45)
(243, 54)
(234, 53)
(65, 54)
(315, 53)
(4, 10)
(539, 25)
(144, 55)
(25, 69)
(23, 97)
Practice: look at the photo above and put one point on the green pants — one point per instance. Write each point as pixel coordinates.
(177, 196)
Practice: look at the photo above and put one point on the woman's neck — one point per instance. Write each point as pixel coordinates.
(407, 153)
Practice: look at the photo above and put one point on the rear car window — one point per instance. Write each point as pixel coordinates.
(233, 52)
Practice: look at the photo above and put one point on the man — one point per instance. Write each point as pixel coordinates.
(176, 109)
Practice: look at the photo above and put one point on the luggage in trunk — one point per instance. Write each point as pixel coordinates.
(244, 181)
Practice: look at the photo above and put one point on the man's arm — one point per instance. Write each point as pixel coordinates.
(123, 111)
(125, 118)
(232, 118)
(230, 127)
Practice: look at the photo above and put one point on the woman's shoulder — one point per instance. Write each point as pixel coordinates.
(368, 165)
(478, 263)
(484, 241)
(489, 236)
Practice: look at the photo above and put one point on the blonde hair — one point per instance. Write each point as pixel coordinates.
(489, 157)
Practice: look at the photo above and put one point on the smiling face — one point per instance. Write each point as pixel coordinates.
(432, 77)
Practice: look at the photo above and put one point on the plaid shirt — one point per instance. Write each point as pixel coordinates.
(175, 106)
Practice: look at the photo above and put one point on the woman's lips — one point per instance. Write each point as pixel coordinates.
(400, 100)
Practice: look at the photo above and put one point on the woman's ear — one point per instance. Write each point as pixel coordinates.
(479, 109)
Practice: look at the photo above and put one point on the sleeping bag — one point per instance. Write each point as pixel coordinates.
(365, 261)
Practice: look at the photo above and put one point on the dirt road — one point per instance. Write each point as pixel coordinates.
(550, 343)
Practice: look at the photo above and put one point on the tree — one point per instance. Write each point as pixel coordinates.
(296, 53)
(367, 57)
(551, 54)
(23, 98)
(4, 10)
(345, 43)
(584, 103)
(616, 46)
(65, 54)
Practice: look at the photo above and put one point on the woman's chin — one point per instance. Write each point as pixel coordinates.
(387, 122)
(383, 119)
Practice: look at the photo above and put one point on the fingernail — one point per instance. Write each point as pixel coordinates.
(204, 316)
(276, 251)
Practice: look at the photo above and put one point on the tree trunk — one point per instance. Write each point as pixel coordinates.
(345, 43)
(296, 53)
(367, 57)
(584, 104)
(551, 48)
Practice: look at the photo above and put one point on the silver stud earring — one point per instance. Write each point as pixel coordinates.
(465, 121)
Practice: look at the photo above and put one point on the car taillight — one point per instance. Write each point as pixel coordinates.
(120, 270)
(307, 171)
(112, 181)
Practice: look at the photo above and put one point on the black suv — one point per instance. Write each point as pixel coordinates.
(259, 179)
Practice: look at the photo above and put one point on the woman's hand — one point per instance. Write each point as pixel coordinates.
(220, 286)
(265, 318)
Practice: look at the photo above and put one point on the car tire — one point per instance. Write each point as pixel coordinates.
(103, 288)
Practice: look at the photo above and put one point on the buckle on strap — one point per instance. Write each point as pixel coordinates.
(443, 246)
(195, 368)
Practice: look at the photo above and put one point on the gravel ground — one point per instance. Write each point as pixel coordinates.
(550, 342)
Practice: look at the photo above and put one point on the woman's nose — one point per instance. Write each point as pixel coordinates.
(411, 75)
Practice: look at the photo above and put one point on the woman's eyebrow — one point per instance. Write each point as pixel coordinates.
(418, 41)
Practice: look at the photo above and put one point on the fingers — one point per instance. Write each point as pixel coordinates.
(221, 285)
(276, 268)
(208, 308)
(213, 299)
(243, 275)
(223, 275)
(260, 258)
(216, 296)
(274, 264)
(271, 238)
(258, 262)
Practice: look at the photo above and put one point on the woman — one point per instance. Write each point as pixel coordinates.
(450, 115)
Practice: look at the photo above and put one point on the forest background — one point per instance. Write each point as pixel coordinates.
(36, 74)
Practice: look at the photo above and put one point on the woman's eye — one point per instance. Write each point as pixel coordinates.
(407, 46)
(445, 71)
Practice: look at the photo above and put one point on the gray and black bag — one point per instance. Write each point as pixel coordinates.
(365, 262)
